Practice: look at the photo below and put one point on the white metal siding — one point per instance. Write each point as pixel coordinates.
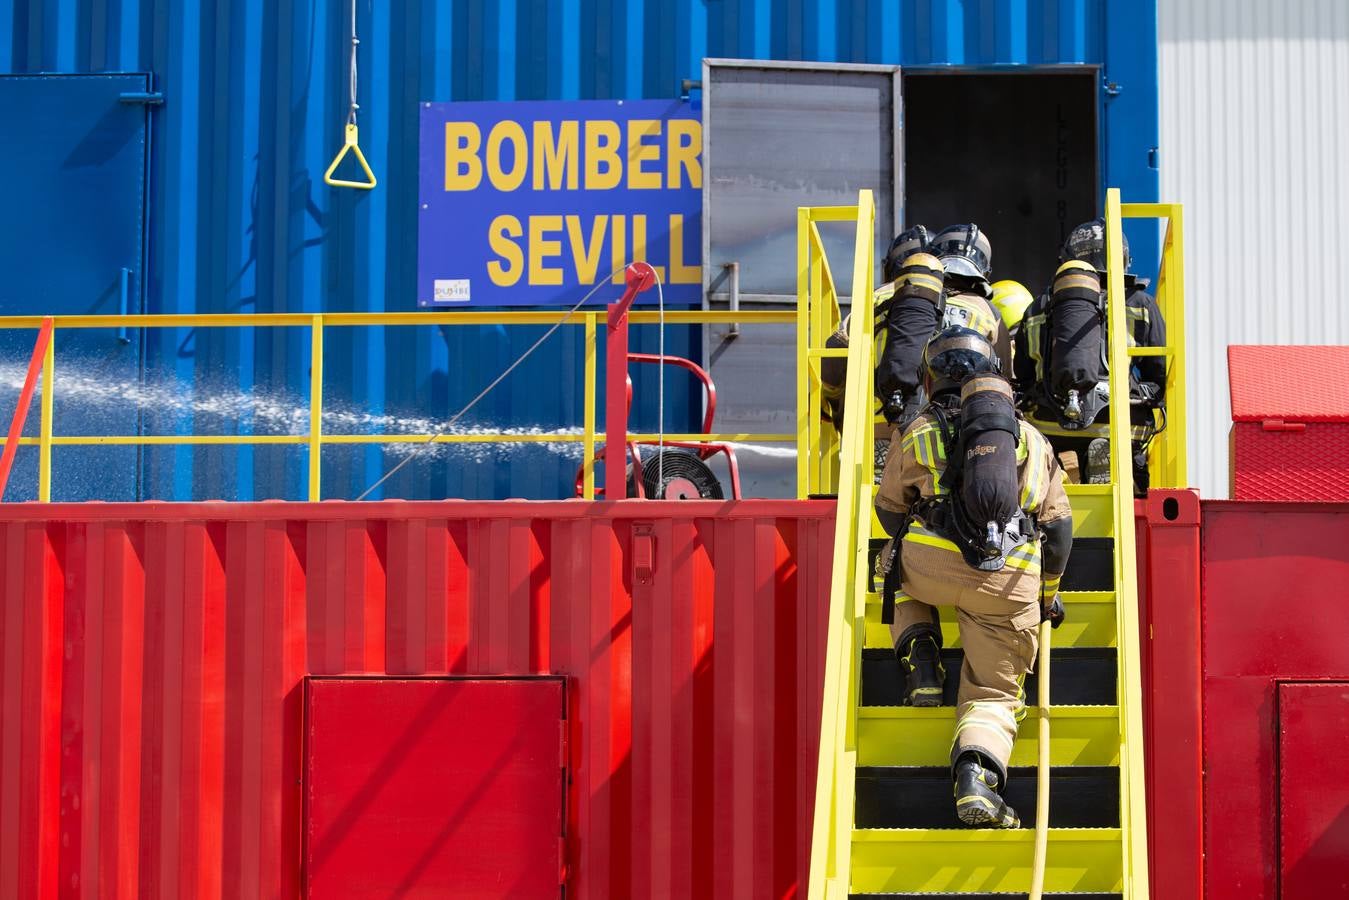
(1254, 142)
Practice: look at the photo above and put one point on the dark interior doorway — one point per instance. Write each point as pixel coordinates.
(1014, 152)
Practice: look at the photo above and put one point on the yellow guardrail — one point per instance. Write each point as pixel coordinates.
(854, 461)
(1167, 456)
(315, 439)
(1133, 797)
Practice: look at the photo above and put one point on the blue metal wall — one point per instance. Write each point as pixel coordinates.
(255, 96)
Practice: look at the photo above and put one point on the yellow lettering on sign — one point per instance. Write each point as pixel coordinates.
(541, 249)
(604, 168)
(685, 139)
(556, 159)
(586, 252)
(680, 273)
(503, 132)
(638, 153)
(499, 235)
(619, 245)
(639, 244)
(463, 169)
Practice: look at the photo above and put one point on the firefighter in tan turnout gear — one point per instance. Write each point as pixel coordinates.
(972, 497)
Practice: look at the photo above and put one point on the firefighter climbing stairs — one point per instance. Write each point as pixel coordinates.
(885, 825)
(906, 841)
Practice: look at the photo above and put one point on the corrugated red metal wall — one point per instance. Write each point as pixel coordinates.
(1274, 612)
(152, 657)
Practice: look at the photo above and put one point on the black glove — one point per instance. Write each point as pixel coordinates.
(1054, 613)
(1145, 393)
(893, 408)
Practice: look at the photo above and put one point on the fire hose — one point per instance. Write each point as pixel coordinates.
(1037, 882)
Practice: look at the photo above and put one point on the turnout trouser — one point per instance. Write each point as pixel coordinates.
(997, 614)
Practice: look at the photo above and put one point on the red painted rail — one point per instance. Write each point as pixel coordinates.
(16, 423)
(152, 659)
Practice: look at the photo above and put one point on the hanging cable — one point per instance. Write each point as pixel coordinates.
(355, 42)
(485, 391)
(351, 142)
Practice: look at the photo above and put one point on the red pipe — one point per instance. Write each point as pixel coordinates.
(44, 336)
(639, 277)
(697, 371)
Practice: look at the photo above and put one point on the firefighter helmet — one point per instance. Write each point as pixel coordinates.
(1010, 298)
(965, 250)
(1087, 243)
(914, 239)
(955, 354)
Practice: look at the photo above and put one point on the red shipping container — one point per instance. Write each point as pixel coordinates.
(1290, 423)
(153, 659)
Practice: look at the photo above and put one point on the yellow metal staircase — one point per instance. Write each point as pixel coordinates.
(884, 815)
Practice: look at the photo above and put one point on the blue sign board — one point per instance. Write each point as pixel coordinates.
(532, 203)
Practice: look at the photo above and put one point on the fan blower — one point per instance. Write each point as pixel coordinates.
(675, 474)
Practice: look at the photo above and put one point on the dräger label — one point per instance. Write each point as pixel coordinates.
(451, 290)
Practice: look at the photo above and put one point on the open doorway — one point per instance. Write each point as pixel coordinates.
(1014, 152)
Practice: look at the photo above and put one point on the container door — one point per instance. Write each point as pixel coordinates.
(1313, 799)
(72, 243)
(777, 136)
(434, 787)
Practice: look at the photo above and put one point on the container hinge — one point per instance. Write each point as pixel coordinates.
(1113, 88)
(1281, 425)
(1153, 159)
(148, 98)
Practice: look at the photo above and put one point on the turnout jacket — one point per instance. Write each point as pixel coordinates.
(913, 471)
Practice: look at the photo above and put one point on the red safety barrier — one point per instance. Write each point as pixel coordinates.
(153, 660)
(1168, 584)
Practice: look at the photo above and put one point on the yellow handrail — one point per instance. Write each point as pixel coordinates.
(1167, 455)
(315, 440)
(836, 772)
(817, 318)
(1133, 808)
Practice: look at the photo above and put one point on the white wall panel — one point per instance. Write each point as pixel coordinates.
(1255, 143)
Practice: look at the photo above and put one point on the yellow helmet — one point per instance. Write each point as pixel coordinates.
(1010, 299)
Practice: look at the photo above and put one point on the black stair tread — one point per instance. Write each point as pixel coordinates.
(1080, 676)
(921, 797)
(982, 896)
(1091, 565)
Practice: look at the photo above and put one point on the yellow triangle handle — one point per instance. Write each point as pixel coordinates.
(350, 145)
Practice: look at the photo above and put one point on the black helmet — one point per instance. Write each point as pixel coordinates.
(964, 250)
(1087, 243)
(906, 243)
(955, 354)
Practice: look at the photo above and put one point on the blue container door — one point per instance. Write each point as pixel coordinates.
(72, 243)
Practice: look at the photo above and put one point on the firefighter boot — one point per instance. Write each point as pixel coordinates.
(920, 663)
(979, 802)
(1098, 462)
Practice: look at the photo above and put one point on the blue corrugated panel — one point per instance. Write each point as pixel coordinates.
(255, 97)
